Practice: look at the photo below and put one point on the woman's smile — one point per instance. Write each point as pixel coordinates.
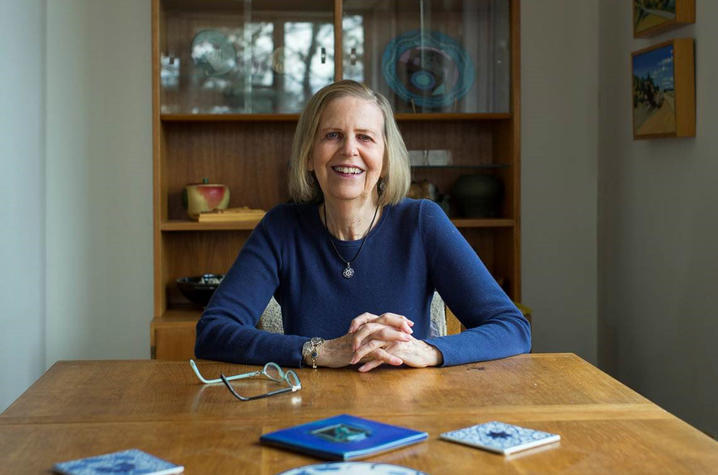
(348, 153)
(347, 171)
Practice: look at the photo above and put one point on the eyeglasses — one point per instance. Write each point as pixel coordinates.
(271, 371)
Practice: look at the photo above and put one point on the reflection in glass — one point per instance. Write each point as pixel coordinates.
(213, 53)
(308, 61)
(427, 69)
(169, 72)
(353, 39)
(245, 60)
(431, 55)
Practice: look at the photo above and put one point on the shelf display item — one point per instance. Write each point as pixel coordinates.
(428, 69)
(199, 289)
(203, 197)
(478, 195)
(213, 53)
(423, 189)
(231, 215)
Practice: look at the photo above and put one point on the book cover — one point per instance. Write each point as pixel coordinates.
(500, 437)
(343, 437)
(128, 462)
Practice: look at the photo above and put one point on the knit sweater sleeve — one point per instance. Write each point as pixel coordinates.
(227, 330)
(495, 328)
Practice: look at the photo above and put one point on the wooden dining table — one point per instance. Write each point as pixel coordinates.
(85, 408)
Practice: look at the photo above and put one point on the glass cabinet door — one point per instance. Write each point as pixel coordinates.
(244, 56)
(450, 56)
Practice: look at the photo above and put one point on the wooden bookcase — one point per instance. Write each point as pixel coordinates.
(249, 150)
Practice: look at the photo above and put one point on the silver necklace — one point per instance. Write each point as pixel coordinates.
(348, 271)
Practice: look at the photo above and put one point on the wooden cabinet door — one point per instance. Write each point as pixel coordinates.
(173, 343)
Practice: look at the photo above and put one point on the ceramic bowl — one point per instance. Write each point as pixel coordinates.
(199, 289)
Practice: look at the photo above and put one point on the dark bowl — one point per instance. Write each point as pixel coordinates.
(199, 289)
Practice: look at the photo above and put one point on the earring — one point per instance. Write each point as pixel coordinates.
(381, 185)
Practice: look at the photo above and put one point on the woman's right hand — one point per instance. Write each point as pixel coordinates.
(367, 329)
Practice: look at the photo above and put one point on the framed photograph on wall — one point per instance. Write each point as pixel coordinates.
(664, 99)
(651, 17)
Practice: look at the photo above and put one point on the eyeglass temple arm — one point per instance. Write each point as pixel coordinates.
(225, 380)
(213, 381)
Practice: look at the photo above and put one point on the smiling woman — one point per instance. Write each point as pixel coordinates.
(353, 263)
(397, 176)
(347, 160)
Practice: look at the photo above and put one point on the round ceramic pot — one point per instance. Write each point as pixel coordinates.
(478, 195)
(202, 197)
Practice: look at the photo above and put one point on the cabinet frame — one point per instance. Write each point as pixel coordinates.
(503, 233)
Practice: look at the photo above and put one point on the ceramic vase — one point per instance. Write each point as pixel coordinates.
(478, 195)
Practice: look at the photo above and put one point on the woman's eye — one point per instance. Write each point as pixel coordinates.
(365, 138)
(332, 135)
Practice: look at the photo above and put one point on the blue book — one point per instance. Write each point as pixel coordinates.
(128, 462)
(500, 437)
(343, 437)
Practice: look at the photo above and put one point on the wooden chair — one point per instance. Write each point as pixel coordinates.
(443, 321)
(271, 319)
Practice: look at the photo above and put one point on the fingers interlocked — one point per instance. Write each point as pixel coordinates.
(372, 333)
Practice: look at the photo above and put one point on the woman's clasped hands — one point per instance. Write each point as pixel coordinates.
(377, 339)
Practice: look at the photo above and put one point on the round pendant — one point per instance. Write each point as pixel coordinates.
(348, 272)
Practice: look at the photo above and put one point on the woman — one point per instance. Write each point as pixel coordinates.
(353, 263)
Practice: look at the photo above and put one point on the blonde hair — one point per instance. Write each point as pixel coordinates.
(303, 186)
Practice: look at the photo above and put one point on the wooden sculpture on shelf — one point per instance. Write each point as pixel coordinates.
(231, 215)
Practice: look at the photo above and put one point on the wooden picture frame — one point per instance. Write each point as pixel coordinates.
(663, 92)
(651, 17)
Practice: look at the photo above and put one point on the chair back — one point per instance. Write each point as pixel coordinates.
(271, 319)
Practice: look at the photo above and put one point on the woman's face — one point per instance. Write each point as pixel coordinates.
(348, 151)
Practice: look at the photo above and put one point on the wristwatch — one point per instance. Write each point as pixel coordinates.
(311, 350)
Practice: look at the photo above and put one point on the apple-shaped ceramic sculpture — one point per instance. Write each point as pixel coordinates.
(202, 197)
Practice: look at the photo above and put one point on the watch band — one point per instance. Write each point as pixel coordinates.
(312, 349)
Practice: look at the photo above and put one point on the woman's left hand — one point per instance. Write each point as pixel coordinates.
(415, 353)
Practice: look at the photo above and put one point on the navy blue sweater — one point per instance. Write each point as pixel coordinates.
(413, 249)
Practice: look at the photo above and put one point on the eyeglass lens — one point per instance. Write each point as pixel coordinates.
(273, 372)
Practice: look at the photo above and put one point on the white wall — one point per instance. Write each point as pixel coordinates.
(76, 149)
(658, 229)
(559, 137)
(22, 196)
(633, 219)
(99, 179)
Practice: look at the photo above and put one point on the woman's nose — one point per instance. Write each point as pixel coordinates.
(350, 146)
